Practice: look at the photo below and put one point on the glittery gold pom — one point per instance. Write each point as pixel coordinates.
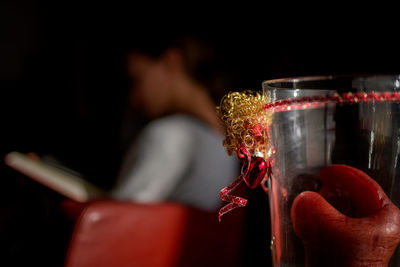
(245, 120)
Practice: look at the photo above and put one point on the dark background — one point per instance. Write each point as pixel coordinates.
(63, 91)
(63, 81)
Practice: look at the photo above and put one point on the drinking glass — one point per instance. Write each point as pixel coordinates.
(334, 183)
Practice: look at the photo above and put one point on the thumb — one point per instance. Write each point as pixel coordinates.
(332, 238)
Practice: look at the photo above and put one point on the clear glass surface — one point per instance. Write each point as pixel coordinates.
(364, 136)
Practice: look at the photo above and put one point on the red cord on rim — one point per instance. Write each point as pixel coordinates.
(317, 101)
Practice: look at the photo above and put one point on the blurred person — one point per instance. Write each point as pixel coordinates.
(178, 156)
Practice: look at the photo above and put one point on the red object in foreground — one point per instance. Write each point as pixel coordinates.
(349, 222)
(111, 233)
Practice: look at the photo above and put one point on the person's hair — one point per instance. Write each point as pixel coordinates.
(198, 52)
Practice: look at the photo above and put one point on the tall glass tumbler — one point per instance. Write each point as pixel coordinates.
(334, 185)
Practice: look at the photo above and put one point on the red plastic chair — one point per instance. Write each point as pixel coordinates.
(110, 233)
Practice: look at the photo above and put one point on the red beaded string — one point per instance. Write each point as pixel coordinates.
(318, 101)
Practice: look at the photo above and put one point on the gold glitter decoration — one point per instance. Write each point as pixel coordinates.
(245, 120)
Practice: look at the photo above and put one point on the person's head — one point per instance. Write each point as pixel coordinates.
(163, 70)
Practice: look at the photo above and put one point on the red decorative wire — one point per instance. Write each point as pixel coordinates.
(234, 201)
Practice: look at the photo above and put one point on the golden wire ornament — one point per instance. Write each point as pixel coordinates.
(245, 120)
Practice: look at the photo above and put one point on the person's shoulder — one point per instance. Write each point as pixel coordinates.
(177, 122)
(171, 129)
(182, 119)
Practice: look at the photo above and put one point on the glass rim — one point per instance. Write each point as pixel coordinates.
(278, 83)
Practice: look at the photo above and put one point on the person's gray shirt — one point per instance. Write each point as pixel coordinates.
(176, 158)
